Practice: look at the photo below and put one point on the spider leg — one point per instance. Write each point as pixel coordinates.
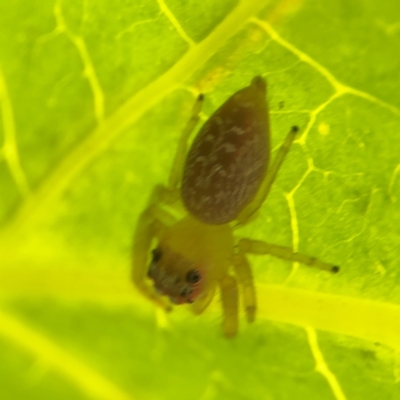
(245, 277)
(245, 216)
(285, 253)
(152, 222)
(179, 159)
(229, 297)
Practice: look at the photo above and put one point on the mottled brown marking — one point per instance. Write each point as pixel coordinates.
(229, 157)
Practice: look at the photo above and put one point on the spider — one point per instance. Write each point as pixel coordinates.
(220, 183)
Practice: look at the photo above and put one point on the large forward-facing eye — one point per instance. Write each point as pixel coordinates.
(156, 255)
(193, 276)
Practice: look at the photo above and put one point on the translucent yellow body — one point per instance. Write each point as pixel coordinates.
(220, 182)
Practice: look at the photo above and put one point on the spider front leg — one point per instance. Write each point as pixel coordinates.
(179, 159)
(152, 223)
(285, 253)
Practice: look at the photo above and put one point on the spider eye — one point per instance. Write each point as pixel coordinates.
(157, 253)
(193, 276)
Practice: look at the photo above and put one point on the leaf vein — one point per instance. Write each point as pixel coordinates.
(174, 21)
(321, 366)
(88, 70)
(339, 87)
(9, 149)
(73, 369)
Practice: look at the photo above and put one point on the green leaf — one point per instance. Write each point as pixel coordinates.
(93, 97)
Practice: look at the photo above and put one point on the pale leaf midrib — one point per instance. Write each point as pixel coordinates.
(370, 320)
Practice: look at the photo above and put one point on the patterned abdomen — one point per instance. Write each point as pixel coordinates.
(229, 157)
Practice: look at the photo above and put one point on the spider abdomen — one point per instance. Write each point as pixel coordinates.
(228, 159)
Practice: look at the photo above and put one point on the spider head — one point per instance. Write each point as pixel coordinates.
(175, 276)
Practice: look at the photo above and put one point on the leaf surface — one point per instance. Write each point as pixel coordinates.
(93, 97)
